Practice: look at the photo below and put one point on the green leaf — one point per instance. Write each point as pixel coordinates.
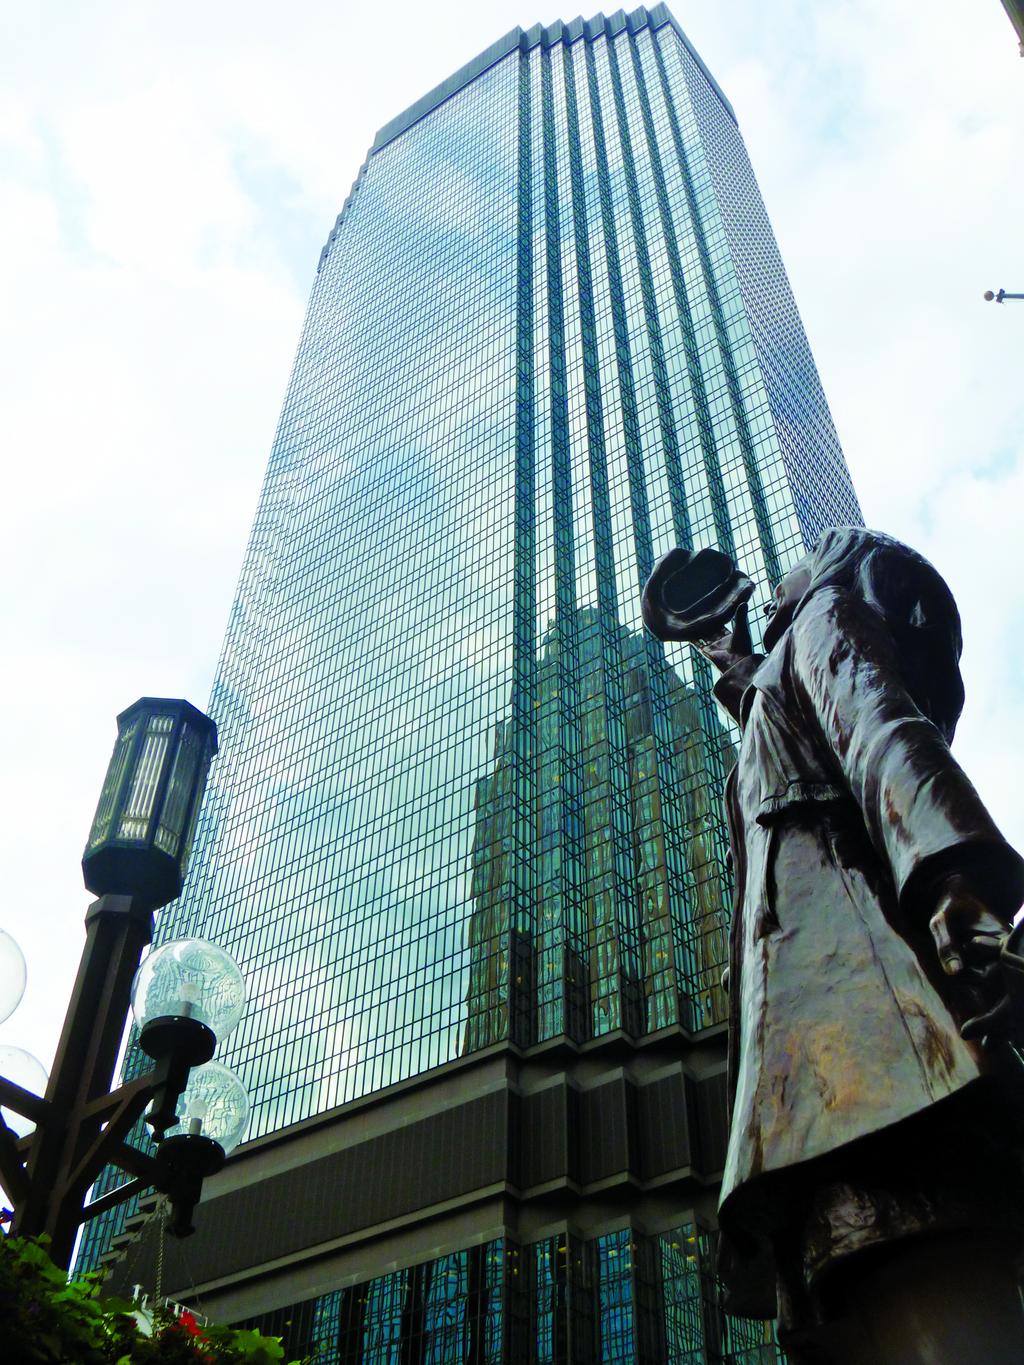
(115, 1305)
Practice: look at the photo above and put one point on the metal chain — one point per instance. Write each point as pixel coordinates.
(135, 1246)
(163, 1205)
(197, 1301)
(158, 1214)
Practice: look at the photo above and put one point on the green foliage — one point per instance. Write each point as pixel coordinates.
(50, 1320)
(47, 1318)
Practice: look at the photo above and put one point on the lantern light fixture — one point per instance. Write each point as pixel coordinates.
(58, 1133)
(141, 835)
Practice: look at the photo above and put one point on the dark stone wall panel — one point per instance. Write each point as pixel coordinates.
(603, 1129)
(544, 1127)
(663, 1122)
(446, 1155)
(710, 1104)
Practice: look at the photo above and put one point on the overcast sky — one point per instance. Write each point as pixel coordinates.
(168, 175)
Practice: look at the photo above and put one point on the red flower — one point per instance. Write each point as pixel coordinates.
(185, 1325)
(188, 1322)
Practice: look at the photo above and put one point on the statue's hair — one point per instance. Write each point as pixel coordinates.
(915, 603)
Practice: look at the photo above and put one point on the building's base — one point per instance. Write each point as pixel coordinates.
(562, 1195)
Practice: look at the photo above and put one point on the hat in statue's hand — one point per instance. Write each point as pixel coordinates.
(692, 595)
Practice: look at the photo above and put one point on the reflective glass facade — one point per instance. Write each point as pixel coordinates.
(621, 1299)
(461, 798)
(459, 791)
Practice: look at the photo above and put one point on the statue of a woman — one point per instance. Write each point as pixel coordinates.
(872, 1198)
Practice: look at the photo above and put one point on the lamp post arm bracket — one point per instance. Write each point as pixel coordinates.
(113, 1199)
(104, 1106)
(23, 1101)
(136, 1163)
(109, 1142)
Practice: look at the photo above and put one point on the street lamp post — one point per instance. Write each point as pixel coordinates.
(135, 860)
(999, 295)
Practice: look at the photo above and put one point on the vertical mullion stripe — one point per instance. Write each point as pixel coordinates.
(626, 989)
(561, 469)
(739, 412)
(623, 358)
(522, 910)
(575, 988)
(669, 435)
(596, 452)
(662, 724)
(712, 466)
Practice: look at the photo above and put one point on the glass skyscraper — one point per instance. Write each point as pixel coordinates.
(464, 835)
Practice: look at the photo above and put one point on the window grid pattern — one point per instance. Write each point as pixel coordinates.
(626, 1298)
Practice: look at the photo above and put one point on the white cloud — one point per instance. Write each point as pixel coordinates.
(884, 140)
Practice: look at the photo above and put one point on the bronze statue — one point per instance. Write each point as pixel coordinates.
(872, 1197)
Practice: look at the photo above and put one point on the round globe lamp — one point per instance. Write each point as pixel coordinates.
(213, 1113)
(187, 996)
(27, 1071)
(12, 975)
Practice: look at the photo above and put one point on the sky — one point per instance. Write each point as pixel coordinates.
(168, 175)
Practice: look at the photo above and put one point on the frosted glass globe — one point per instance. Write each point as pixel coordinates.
(215, 1104)
(27, 1071)
(193, 979)
(12, 975)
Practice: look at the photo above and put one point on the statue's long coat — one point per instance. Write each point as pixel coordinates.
(844, 807)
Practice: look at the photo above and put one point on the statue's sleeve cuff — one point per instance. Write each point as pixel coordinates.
(992, 869)
(730, 687)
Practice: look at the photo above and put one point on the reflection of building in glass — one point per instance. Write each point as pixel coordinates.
(464, 834)
(639, 941)
(623, 1297)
